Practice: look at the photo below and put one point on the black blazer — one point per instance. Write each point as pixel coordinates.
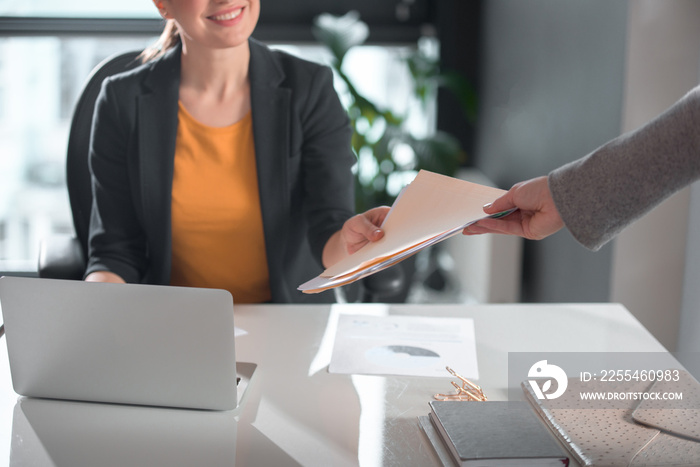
(304, 158)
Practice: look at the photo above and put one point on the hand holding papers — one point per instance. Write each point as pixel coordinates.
(430, 209)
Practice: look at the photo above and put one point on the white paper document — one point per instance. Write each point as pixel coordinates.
(404, 345)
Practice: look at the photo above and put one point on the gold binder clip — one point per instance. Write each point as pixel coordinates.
(467, 391)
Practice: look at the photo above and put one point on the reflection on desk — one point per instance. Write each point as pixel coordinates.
(47, 433)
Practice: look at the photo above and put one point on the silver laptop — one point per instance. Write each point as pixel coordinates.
(121, 343)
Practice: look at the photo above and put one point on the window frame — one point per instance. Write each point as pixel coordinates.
(266, 30)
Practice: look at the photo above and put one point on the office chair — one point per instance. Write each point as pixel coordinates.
(64, 256)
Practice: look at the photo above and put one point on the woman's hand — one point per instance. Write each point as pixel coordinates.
(104, 276)
(357, 232)
(536, 218)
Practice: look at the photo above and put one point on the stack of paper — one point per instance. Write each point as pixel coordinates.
(404, 345)
(430, 209)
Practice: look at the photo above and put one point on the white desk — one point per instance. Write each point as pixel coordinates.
(296, 413)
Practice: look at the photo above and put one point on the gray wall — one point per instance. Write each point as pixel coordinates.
(551, 91)
(652, 257)
(689, 338)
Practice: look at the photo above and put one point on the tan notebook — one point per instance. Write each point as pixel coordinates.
(682, 418)
(631, 432)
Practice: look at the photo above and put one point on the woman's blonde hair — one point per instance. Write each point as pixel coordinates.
(169, 38)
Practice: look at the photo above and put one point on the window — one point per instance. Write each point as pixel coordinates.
(40, 79)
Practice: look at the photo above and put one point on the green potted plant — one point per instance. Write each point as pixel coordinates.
(389, 154)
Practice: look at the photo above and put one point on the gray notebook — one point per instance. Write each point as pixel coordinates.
(121, 343)
(495, 433)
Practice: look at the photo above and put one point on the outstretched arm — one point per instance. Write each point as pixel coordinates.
(597, 196)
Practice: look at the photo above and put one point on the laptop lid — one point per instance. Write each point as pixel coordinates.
(120, 343)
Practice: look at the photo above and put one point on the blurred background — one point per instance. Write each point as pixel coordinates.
(493, 91)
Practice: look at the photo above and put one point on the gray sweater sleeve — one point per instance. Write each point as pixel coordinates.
(599, 195)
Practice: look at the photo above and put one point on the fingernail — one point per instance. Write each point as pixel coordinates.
(488, 205)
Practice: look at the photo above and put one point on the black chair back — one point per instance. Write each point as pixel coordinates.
(77, 171)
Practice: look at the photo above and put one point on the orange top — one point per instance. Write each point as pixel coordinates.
(217, 230)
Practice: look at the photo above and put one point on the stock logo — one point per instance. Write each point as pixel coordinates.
(544, 371)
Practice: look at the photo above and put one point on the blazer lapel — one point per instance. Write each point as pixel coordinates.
(270, 111)
(157, 131)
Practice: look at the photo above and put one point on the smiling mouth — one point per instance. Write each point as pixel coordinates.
(228, 16)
